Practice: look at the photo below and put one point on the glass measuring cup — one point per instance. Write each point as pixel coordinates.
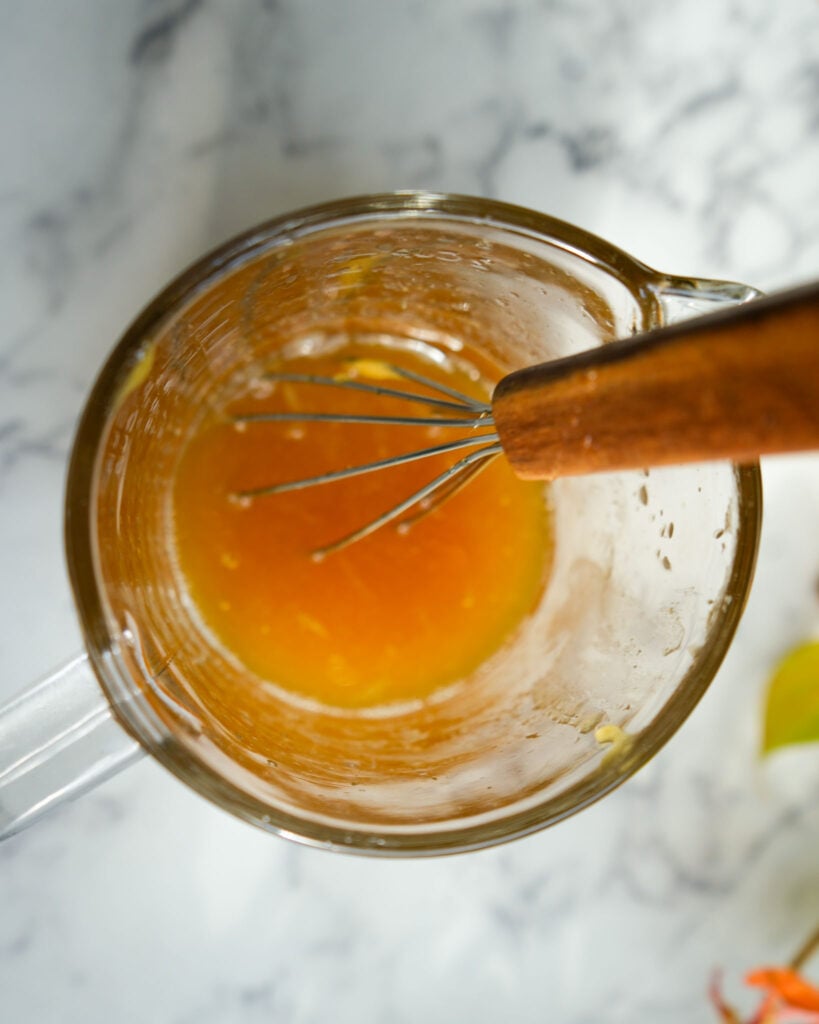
(650, 573)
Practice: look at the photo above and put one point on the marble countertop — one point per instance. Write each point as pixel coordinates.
(138, 135)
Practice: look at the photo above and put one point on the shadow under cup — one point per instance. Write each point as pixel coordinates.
(649, 574)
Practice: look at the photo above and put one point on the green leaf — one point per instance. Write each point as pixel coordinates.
(792, 712)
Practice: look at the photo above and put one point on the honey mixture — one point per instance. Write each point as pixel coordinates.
(394, 617)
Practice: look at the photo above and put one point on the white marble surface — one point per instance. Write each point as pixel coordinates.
(137, 135)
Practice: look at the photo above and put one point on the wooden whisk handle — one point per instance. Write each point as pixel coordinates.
(735, 384)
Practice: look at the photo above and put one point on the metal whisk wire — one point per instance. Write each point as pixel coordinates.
(464, 412)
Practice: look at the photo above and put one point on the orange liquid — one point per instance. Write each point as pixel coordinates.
(391, 618)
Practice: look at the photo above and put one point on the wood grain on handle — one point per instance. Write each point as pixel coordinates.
(735, 384)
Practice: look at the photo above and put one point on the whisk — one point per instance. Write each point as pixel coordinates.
(734, 384)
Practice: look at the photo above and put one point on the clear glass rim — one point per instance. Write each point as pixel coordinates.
(136, 715)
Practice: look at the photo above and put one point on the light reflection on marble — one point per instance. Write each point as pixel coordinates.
(138, 135)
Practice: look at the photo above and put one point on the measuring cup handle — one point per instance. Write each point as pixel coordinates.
(57, 740)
